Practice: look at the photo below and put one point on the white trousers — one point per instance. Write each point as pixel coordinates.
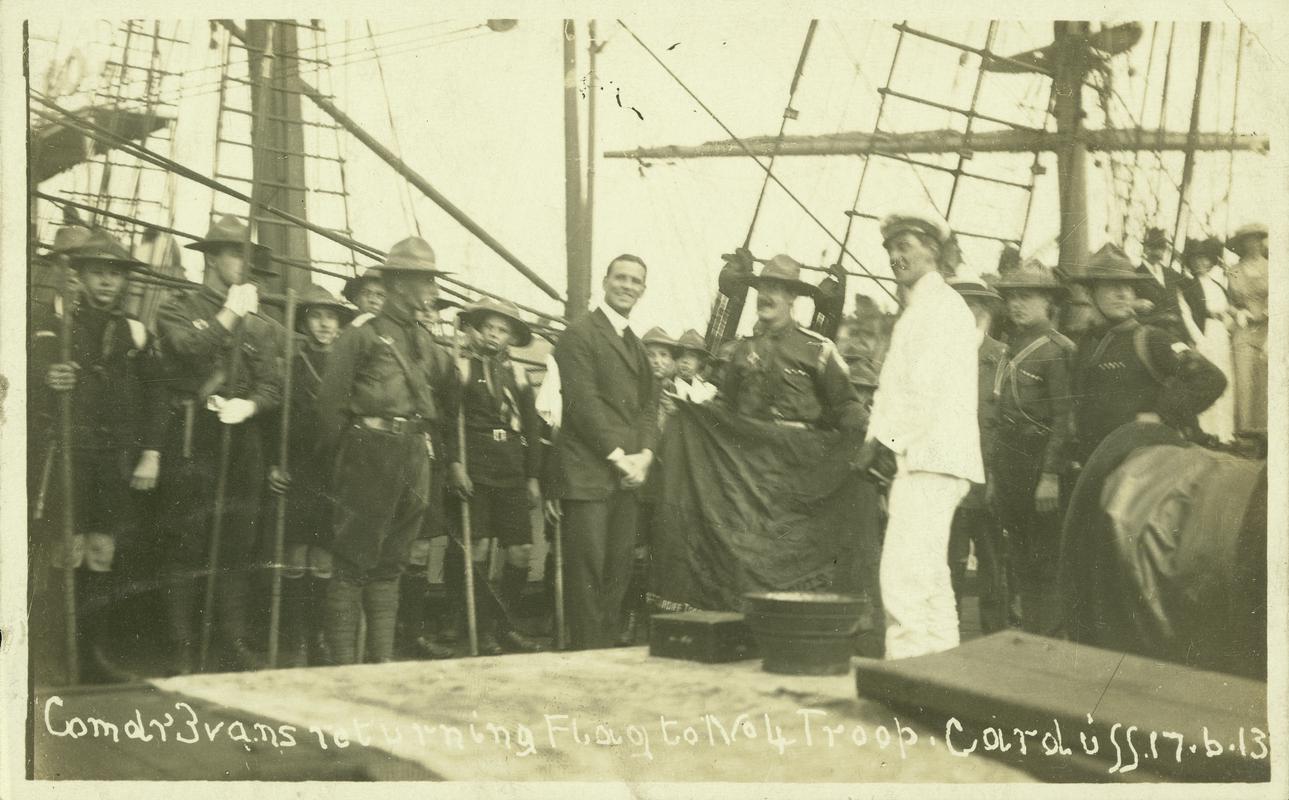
(917, 594)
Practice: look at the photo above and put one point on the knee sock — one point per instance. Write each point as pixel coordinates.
(380, 601)
(344, 599)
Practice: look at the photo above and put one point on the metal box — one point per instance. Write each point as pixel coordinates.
(710, 637)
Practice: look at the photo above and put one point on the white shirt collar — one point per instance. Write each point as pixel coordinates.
(619, 322)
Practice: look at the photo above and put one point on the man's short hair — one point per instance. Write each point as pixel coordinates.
(634, 259)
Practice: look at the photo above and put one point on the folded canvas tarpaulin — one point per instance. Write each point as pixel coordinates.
(1164, 552)
(748, 506)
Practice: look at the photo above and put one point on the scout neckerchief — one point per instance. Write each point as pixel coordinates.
(498, 386)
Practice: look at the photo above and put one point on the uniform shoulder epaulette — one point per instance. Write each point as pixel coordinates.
(1061, 340)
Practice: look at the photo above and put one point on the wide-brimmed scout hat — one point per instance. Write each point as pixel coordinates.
(1243, 232)
(100, 248)
(1211, 247)
(67, 238)
(354, 285)
(922, 222)
(229, 230)
(317, 297)
(1032, 276)
(412, 255)
(475, 313)
(692, 340)
(658, 336)
(1109, 264)
(975, 288)
(786, 271)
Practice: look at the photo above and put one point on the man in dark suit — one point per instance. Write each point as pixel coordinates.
(1161, 293)
(606, 449)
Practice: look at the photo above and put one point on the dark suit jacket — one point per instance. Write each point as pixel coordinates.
(609, 403)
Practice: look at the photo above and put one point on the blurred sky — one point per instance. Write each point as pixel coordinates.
(480, 115)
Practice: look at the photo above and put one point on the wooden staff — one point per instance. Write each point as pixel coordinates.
(472, 623)
(279, 533)
(233, 375)
(69, 493)
(561, 635)
(46, 474)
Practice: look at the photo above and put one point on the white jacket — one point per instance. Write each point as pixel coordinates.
(925, 406)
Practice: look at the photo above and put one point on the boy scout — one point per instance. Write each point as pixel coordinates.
(366, 292)
(376, 413)
(116, 431)
(1035, 424)
(197, 333)
(497, 467)
(691, 363)
(974, 521)
(308, 535)
(1123, 369)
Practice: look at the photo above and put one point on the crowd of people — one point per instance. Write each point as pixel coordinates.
(970, 413)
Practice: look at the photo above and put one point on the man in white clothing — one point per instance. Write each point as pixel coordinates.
(925, 414)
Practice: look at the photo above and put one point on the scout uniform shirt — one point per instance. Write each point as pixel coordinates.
(1113, 384)
(992, 355)
(793, 376)
(1035, 405)
(501, 424)
(117, 401)
(381, 369)
(196, 350)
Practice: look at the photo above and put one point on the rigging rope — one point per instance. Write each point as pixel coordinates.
(788, 113)
(405, 197)
(1235, 104)
(748, 151)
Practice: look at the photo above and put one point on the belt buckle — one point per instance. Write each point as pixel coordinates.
(499, 435)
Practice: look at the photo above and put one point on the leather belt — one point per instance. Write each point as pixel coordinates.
(398, 426)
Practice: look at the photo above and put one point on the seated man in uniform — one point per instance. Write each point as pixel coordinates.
(784, 373)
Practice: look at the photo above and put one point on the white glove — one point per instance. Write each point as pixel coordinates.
(243, 299)
(236, 411)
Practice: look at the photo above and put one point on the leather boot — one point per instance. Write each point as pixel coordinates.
(513, 581)
(344, 605)
(413, 598)
(486, 611)
(380, 601)
(233, 595)
(94, 594)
